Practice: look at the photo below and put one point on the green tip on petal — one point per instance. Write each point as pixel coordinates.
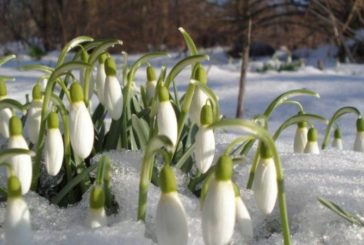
(360, 124)
(151, 74)
(76, 92)
(337, 133)
(265, 152)
(312, 135)
(167, 180)
(53, 120)
(97, 197)
(206, 115)
(84, 55)
(15, 126)
(110, 67)
(163, 94)
(302, 124)
(37, 92)
(224, 168)
(201, 75)
(102, 58)
(3, 89)
(236, 190)
(14, 187)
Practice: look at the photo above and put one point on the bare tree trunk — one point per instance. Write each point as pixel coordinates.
(243, 70)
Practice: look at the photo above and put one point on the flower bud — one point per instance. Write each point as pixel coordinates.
(312, 145)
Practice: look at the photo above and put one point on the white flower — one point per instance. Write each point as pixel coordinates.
(300, 140)
(96, 218)
(53, 151)
(359, 142)
(100, 82)
(81, 129)
(5, 115)
(337, 143)
(150, 90)
(33, 120)
(312, 145)
(218, 213)
(113, 98)
(171, 224)
(17, 222)
(243, 219)
(198, 101)
(265, 185)
(21, 164)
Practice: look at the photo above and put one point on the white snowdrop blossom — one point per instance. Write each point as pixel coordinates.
(300, 138)
(243, 220)
(21, 164)
(219, 211)
(166, 117)
(80, 122)
(96, 216)
(33, 121)
(113, 98)
(170, 219)
(17, 219)
(312, 145)
(265, 182)
(337, 143)
(199, 98)
(151, 83)
(359, 139)
(5, 115)
(53, 147)
(100, 78)
(205, 141)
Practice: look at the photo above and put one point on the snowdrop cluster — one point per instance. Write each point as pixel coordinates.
(359, 139)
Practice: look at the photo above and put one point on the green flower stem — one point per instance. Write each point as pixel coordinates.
(340, 112)
(70, 45)
(253, 167)
(6, 59)
(189, 41)
(36, 67)
(124, 68)
(154, 146)
(264, 136)
(63, 69)
(11, 104)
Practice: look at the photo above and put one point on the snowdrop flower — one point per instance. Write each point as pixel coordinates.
(205, 141)
(81, 126)
(199, 97)
(96, 216)
(300, 138)
(337, 143)
(219, 211)
(53, 148)
(17, 220)
(21, 164)
(100, 78)
(5, 114)
(265, 181)
(171, 223)
(113, 98)
(243, 220)
(151, 83)
(359, 139)
(33, 120)
(166, 117)
(312, 145)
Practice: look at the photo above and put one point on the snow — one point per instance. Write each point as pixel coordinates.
(335, 175)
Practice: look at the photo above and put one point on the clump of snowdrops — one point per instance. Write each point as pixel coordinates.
(64, 131)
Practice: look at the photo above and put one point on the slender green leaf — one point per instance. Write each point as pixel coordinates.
(143, 60)
(70, 45)
(189, 41)
(141, 129)
(67, 67)
(6, 59)
(102, 48)
(5, 154)
(36, 67)
(186, 155)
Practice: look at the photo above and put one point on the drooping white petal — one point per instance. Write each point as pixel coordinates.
(359, 142)
(337, 144)
(265, 185)
(204, 148)
(218, 213)
(171, 223)
(113, 98)
(32, 123)
(312, 147)
(81, 130)
(243, 220)
(150, 89)
(21, 164)
(96, 218)
(17, 222)
(167, 121)
(198, 101)
(5, 115)
(100, 82)
(53, 151)
(300, 140)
